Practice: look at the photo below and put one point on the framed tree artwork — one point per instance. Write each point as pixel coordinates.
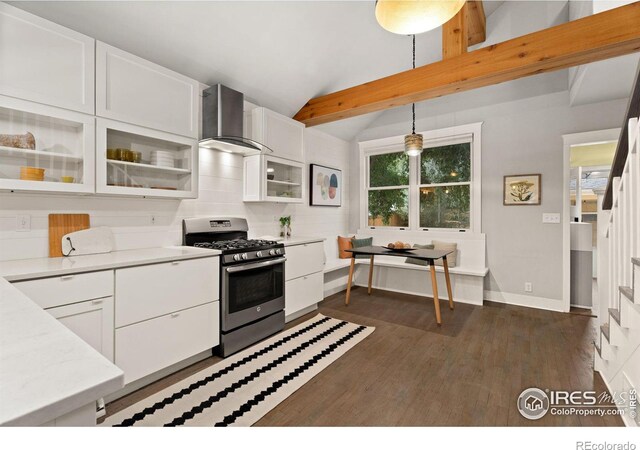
(326, 186)
(522, 189)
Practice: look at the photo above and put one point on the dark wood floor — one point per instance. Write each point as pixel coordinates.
(410, 372)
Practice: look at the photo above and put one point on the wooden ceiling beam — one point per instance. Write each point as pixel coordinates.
(455, 35)
(600, 36)
(476, 22)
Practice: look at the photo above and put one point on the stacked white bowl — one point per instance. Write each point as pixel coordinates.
(162, 158)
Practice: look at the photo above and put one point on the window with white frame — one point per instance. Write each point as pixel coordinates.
(437, 190)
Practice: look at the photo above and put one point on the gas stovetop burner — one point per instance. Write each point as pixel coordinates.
(236, 244)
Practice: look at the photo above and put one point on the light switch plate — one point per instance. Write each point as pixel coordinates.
(550, 217)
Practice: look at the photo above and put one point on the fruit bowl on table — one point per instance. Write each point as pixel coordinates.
(398, 247)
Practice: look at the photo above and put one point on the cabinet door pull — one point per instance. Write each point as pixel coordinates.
(175, 263)
(67, 277)
(97, 302)
(175, 314)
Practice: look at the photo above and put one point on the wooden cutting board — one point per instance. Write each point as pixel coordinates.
(61, 224)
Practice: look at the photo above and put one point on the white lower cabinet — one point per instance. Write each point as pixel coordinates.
(145, 292)
(303, 292)
(92, 321)
(304, 259)
(304, 286)
(152, 345)
(66, 289)
(165, 313)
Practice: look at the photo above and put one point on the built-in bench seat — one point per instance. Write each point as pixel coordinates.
(392, 261)
(394, 274)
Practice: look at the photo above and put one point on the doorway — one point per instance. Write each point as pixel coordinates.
(588, 159)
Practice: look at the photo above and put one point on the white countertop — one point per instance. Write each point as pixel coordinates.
(45, 369)
(295, 240)
(25, 269)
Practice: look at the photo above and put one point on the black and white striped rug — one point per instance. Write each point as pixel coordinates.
(244, 387)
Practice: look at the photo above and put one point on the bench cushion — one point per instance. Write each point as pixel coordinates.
(419, 262)
(452, 257)
(362, 242)
(344, 243)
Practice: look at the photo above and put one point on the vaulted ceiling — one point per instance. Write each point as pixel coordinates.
(279, 53)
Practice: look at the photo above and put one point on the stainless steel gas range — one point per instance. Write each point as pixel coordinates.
(252, 280)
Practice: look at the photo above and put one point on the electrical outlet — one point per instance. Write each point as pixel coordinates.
(153, 220)
(528, 287)
(23, 223)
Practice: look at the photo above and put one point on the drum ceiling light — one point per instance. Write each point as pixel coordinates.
(415, 16)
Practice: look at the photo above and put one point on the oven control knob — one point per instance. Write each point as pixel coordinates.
(272, 252)
(236, 257)
(278, 251)
(243, 256)
(259, 254)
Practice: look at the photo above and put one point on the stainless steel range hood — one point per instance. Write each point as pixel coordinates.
(223, 122)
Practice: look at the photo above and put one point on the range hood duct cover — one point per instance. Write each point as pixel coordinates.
(223, 122)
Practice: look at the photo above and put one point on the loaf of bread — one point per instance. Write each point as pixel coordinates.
(26, 141)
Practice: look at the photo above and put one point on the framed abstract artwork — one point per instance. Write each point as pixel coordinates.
(522, 189)
(326, 186)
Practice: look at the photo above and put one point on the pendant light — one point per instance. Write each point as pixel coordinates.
(415, 16)
(413, 141)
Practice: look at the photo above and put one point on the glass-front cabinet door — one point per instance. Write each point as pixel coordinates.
(284, 180)
(45, 149)
(138, 161)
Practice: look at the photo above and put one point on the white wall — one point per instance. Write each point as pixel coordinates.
(519, 136)
(220, 195)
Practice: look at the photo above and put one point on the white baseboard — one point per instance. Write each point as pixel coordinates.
(529, 301)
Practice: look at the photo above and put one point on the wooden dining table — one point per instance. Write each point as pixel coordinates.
(428, 255)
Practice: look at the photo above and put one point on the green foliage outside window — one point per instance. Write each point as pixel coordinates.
(389, 205)
(445, 207)
(440, 206)
(446, 164)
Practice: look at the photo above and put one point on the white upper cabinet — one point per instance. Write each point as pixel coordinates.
(280, 133)
(133, 90)
(44, 62)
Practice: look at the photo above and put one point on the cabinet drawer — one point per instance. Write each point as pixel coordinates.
(146, 347)
(151, 291)
(302, 292)
(304, 259)
(58, 291)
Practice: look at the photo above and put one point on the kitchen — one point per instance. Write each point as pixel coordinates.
(176, 289)
(157, 227)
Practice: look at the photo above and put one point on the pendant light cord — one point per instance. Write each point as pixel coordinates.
(413, 105)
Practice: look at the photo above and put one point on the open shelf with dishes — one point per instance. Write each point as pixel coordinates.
(45, 149)
(138, 161)
(272, 179)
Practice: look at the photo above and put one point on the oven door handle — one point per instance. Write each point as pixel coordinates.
(242, 268)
